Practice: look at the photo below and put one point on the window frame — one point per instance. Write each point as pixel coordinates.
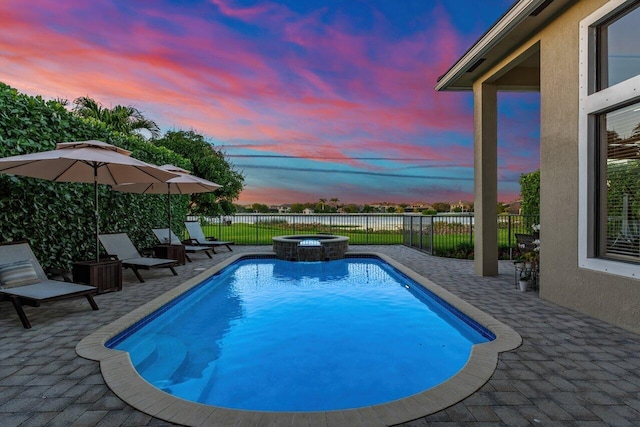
(593, 103)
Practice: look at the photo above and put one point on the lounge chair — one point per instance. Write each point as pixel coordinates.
(197, 236)
(119, 245)
(163, 235)
(525, 242)
(24, 282)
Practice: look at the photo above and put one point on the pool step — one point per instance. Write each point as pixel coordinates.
(157, 359)
(141, 354)
(194, 388)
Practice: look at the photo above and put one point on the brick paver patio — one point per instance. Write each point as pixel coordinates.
(570, 370)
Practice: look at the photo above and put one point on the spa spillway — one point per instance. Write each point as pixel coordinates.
(310, 247)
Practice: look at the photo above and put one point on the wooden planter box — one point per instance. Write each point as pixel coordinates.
(170, 252)
(105, 275)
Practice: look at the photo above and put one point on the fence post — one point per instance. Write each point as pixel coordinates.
(433, 228)
(412, 238)
(255, 224)
(509, 239)
(366, 230)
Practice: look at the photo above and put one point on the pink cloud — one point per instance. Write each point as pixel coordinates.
(312, 88)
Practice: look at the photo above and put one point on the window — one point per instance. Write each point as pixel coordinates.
(619, 196)
(609, 140)
(618, 57)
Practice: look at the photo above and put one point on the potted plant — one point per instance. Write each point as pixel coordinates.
(531, 260)
(536, 230)
(523, 281)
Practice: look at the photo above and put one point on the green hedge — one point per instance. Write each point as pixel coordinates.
(530, 192)
(57, 219)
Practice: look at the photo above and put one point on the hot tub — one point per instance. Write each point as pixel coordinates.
(310, 247)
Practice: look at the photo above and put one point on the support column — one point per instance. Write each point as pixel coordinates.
(485, 106)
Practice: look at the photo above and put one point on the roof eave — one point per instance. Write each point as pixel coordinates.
(505, 26)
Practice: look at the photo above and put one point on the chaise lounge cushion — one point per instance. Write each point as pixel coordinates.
(48, 289)
(18, 273)
(197, 235)
(147, 262)
(163, 235)
(24, 282)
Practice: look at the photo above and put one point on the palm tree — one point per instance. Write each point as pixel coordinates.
(322, 202)
(125, 119)
(89, 108)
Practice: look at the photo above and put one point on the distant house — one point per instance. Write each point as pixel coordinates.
(307, 211)
(515, 207)
(461, 206)
(282, 208)
(583, 59)
(383, 207)
(418, 207)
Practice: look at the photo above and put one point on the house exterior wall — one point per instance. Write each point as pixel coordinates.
(612, 298)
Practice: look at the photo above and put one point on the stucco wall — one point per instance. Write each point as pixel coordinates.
(608, 297)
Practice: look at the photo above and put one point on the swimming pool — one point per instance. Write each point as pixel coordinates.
(378, 353)
(276, 335)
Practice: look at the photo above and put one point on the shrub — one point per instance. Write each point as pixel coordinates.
(57, 219)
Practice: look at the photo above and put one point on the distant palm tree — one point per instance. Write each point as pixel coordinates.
(125, 119)
(322, 202)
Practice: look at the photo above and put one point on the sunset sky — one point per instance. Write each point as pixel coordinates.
(309, 99)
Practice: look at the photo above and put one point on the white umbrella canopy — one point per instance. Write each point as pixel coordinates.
(183, 183)
(85, 161)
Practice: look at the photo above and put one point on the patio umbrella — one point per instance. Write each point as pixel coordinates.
(183, 183)
(85, 161)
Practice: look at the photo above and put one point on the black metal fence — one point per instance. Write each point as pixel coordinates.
(435, 234)
(258, 229)
(447, 234)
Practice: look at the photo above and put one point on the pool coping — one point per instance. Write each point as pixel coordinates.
(122, 378)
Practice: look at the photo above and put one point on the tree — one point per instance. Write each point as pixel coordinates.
(502, 208)
(297, 208)
(208, 163)
(441, 206)
(530, 192)
(260, 208)
(367, 209)
(126, 119)
(322, 202)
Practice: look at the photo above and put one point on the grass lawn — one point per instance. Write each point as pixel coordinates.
(262, 233)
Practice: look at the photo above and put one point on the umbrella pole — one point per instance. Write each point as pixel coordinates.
(169, 209)
(97, 216)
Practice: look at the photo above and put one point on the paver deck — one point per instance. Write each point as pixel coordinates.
(570, 370)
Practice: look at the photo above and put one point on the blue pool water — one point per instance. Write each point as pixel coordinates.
(274, 335)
